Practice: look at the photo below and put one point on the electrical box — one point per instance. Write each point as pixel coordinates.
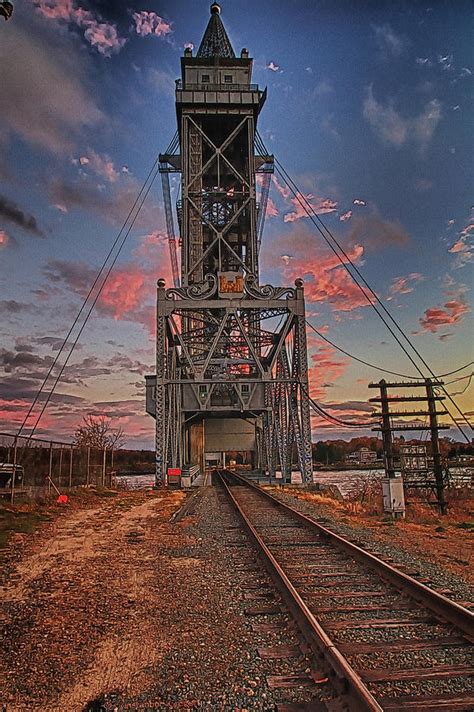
(393, 496)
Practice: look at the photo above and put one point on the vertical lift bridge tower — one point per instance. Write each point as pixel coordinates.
(231, 359)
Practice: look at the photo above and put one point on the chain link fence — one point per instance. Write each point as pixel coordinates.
(40, 468)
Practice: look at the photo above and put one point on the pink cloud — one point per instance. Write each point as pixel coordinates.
(149, 23)
(101, 35)
(405, 285)
(326, 368)
(346, 216)
(326, 280)
(129, 293)
(319, 206)
(55, 9)
(463, 248)
(437, 317)
(282, 189)
(101, 165)
(272, 210)
(4, 239)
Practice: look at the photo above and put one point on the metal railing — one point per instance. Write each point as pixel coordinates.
(215, 87)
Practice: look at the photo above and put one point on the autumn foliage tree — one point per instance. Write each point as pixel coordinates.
(97, 432)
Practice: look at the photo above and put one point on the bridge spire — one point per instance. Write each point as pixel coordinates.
(215, 42)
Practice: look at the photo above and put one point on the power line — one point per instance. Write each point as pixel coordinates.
(308, 208)
(74, 344)
(379, 368)
(329, 417)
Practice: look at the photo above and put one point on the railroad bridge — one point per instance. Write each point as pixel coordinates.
(231, 354)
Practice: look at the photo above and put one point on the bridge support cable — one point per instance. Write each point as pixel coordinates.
(333, 419)
(367, 291)
(117, 247)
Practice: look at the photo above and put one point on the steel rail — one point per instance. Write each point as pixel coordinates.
(448, 610)
(342, 675)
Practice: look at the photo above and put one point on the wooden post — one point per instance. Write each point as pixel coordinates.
(386, 430)
(104, 456)
(435, 452)
(70, 465)
(60, 466)
(12, 495)
(50, 466)
(88, 464)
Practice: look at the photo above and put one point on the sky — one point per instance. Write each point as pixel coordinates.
(370, 111)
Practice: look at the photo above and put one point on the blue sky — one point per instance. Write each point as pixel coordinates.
(370, 111)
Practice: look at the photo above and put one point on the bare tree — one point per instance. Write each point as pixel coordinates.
(96, 431)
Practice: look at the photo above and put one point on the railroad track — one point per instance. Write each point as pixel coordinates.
(384, 640)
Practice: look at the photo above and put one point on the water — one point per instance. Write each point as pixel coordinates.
(135, 482)
(348, 481)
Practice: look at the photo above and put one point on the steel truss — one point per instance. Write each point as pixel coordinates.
(216, 359)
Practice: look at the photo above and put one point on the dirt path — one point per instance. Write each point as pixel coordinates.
(77, 606)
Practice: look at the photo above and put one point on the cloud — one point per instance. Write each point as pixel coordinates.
(149, 23)
(272, 210)
(323, 87)
(102, 165)
(4, 239)
(388, 42)
(282, 189)
(358, 201)
(437, 317)
(326, 367)
(11, 306)
(10, 211)
(112, 205)
(405, 285)
(320, 206)
(130, 290)
(372, 231)
(345, 216)
(326, 280)
(446, 62)
(44, 100)
(463, 248)
(101, 35)
(397, 130)
(273, 67)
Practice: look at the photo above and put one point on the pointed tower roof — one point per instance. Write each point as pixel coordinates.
(215, 42)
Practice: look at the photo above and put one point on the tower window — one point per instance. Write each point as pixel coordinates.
(205, 78)
(245, 388)
(228, 78)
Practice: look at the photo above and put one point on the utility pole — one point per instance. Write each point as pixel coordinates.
(434, 430)
(387, 427)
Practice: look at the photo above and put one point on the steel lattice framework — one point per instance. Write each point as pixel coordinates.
(231, 353)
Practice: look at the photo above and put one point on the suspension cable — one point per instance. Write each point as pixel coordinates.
(139, 200)
(307, 207)
(379, 368)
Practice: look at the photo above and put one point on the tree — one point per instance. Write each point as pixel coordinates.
(96, 431)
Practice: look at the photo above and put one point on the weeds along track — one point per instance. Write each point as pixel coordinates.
(384, 640)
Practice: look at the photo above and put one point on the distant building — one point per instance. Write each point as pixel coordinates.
(364, 456)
